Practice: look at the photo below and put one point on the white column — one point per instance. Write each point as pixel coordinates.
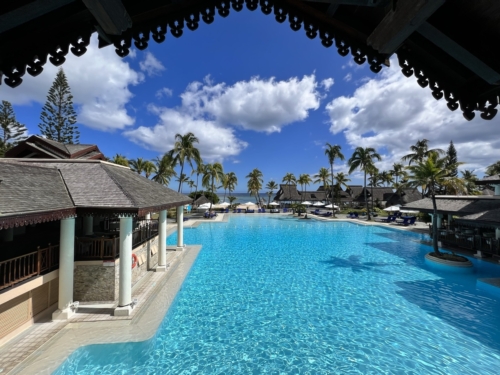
(148, 216)
(497, 233)
(88, 225)
(66, 270)
(439, 217)
(180, 228)
(162, 242)
(8, 235)
(125, 279)
(497, 189)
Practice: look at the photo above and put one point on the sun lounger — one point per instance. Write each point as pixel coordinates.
(407, 221)
(389, 219)
(285, 209)
(274, 210)
(250, 211)
(263, 211)
(326, 214)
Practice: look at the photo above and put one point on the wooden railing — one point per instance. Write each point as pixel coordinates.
(97, 248)
(15, 270)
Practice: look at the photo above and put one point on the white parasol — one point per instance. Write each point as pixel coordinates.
(330, 206)
(274, 204)
(319, 204)
(392, 208)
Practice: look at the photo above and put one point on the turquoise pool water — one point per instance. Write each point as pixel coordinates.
(285, 296)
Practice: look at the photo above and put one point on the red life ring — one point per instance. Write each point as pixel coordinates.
(134, 261)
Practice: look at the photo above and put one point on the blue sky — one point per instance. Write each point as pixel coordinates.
(258, 95)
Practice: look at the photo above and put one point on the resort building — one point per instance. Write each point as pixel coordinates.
(36, 147)
(467, 222)
(77, 230)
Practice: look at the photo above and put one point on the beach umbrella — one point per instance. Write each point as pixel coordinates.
(392, 208)
(318, 204)
(224, 204)
(274, 204)
(249, 204)
(306, 203)
(204, 205)
(330, 206)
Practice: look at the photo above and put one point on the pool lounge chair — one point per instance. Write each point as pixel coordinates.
(250, 211)
(285, 209)
(407, 221)
(316, 212)
(326, 214)
(389, 219)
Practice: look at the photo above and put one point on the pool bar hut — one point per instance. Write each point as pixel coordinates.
(77, 230)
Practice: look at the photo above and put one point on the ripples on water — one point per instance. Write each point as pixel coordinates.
(284, 296)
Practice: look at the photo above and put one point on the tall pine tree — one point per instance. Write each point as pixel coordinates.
(451, 155)
(58, 115)
(11, 131)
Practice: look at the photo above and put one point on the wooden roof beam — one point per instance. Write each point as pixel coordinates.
(459, 53)
(29, 12)
(400, 23)
(111, 15)
(334, 4)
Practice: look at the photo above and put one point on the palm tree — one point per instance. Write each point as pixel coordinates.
(398, 170)
(149, 168)
(120, 160)
(289, 178)
(428, 174)
(322, 177)
(341, 180)
(182, 178)
(375, 179)
(493, 169)
(362, 159)
(137, 165)
(333, 152)
(184, 150)
(255, 181)
(229, 183)
(470, 179)
(191, 184)
(200, 169)
(420, 151)
(231, 199)
(164, 169)
(213, 173)
(304, 180)
(271, 186)
(386, 177)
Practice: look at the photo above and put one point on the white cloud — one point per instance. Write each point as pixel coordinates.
(165, 91)
(216, 142)
(211, 111)
(99, 81)
(260, 105)
(151, 65)
(348, 77)
(327, 83)
(393, 112)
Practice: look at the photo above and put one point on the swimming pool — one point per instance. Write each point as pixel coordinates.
(278, 295)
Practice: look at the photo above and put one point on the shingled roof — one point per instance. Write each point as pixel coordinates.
(36, 147)
(32, 194)
(290, 193)
(404, 197)
(457, 205)
(489, 180)
(93, 187)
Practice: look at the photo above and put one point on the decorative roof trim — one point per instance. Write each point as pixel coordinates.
(19, 220)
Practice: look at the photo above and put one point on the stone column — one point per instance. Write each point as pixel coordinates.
(162, 242)
(497, 233)
(497, 189)
(66, 270)
(125, 279)
(148, 216)
(88, 225)
(180, 228)
(8, 235)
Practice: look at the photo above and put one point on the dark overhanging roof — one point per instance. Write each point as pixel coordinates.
(35, 190)
(489, 180)
(457, 205)
(447, 45)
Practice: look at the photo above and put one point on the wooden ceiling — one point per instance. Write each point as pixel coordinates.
(449, 46)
